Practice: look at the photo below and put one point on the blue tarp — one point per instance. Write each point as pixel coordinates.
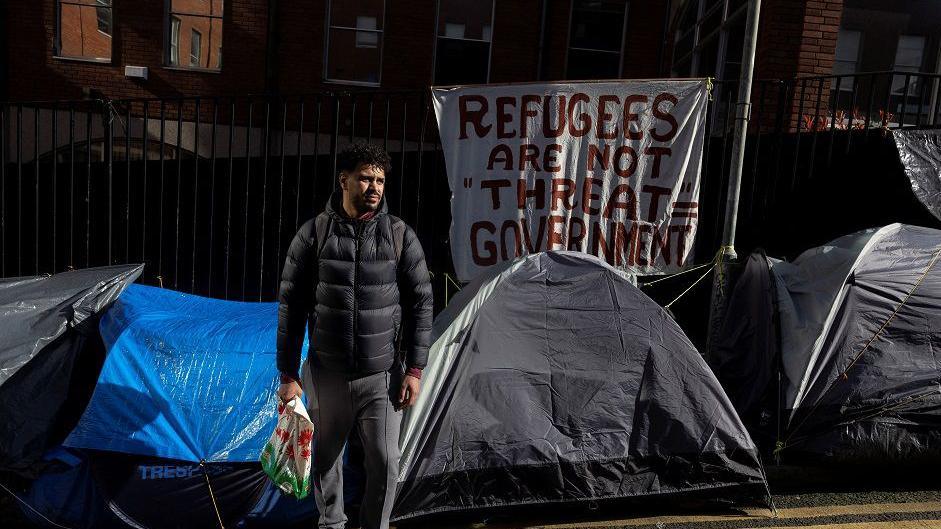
(186, 378)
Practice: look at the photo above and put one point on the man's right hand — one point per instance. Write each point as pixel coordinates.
(289, 390)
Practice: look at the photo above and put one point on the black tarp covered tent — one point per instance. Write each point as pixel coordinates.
(555, 379)
(50, 354)
(860, 330)
(744, 356)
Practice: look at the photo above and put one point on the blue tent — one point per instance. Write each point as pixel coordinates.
(186, 378)
(187, 395)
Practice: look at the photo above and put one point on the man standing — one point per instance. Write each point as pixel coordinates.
(356, 278)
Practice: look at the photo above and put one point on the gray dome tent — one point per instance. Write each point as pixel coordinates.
(860, 330)
(555, 379)
(50, 354)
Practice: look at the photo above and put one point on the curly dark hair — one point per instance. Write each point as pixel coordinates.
(363, 153)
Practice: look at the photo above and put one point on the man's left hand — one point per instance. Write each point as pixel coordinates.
(408, 395)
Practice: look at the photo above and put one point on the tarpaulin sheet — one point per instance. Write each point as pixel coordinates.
(558, 380)
(187, 378)
(50, 355)
(920, 153)
(34, 311)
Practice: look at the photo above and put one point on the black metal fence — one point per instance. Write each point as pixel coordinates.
(209, 191)
(820, 159)
(206, 191)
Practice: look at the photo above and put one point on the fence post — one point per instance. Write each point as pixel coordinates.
(107, 123)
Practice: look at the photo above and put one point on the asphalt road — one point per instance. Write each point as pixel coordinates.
(812, 498)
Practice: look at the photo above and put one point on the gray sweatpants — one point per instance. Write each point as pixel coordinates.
(337, 404)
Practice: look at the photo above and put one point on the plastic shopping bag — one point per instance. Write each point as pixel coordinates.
(286, 456)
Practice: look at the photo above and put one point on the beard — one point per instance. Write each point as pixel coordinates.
(362, 204)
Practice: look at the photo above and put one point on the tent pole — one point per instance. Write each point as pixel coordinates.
(721, 282)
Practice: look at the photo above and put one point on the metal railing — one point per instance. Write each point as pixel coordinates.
(812, 135)
(208, 191)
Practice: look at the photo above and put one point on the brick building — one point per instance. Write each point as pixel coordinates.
(69, 49)
(57, 49)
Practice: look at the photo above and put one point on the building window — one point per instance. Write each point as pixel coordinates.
(84, 29)
(174, 40)
(196, 46)
(103, 15)
(462, 48)
(846, 59)
(707, 38)
(596, 39)
(909, 56)
(202, 21)
(366, 35)
(353, 51)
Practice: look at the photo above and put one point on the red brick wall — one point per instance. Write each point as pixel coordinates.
(300, 60)
(644, 39)
(557, 38)
(80, 36)
(408, 42)
(515, 52)
(138, 40)
(797, 38)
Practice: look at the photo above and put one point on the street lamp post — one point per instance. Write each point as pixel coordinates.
(721, 280)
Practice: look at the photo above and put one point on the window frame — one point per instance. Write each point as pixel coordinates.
(900, 90)
(620, 52)
(730, 15)
(175, 24)
(924, 48)
(434, 53)
(57, 42)
(848, 80)
(169, 14)
(326, 48)
(365, 31)
(196, 37)
(109, 7)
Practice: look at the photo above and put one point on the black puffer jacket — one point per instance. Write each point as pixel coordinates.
(352, 299)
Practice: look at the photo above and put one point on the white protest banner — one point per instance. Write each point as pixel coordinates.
(607, 168)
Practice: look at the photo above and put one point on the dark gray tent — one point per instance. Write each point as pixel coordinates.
(860, 330)
(555, 379)
(745, 354)
(50, 354)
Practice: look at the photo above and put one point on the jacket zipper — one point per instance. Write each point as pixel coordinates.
(358, 231)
